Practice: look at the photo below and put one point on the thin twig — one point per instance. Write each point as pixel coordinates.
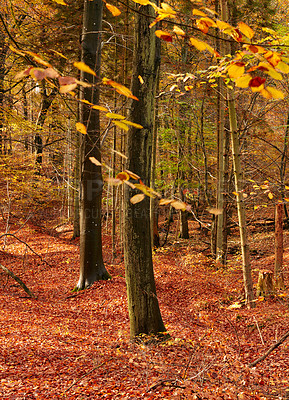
(26, 244)
(236, 333)
(274, 346)
(259, 331)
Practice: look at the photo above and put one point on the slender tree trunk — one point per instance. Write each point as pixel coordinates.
(144, 312)
(3, 52)
(247, 276)
(283, 169)
(279, 278)
(91, 262)
(47, 100)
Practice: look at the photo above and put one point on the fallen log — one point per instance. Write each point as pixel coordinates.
(274, 346)
(17, 279)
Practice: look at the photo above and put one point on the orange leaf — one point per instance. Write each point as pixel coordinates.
(114, 10)
(123, 176)
(164, 35)
(204, 24)
(119, 88)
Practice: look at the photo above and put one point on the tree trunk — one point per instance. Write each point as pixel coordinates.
(279, 278)
(47, 100)
(91, 262)
(3, 52)
(144, 312)
(247, 276)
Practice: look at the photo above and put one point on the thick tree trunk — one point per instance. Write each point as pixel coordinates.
(144, 312)
(91, 262)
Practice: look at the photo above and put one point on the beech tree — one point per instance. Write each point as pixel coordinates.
(144, 312)
(91, 261)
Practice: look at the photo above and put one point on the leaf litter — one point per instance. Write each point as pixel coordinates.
(77, 346)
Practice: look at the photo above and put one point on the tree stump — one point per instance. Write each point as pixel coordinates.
(265, 283)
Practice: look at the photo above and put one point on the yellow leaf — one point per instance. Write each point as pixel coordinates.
(178, 31)
(246, 30)
(167, 9)
(59, 54)
(283, 67)
(137, 198)
(142, 2)
(224, 26)
(83, 67)
(95, 161)
(121, 125)
(270, 195)
(60, 2)
(287, 187)
(266, 94)
(276, 94)
(146, 190)
(80, 127)
(141, 79)
(115, 116)
(100, 108)
(198, 44)
(199, 12)
(243, 81)
(236, 70)
(39, 59)
(114, 10)
(12, 48)
(132, 124)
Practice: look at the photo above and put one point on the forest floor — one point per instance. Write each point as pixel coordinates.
(65, 345)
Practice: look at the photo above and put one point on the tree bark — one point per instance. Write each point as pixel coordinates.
(247, 276)
(144, 312)
(279, 278)
(91, 261)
